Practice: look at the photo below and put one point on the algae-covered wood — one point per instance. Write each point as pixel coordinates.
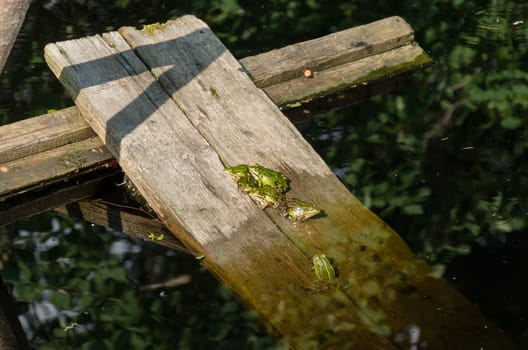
(174, 148)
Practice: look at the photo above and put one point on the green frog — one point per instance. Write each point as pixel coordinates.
(298, 210)
(326, 274)
(265, 196)
(240, 173)
(268, 178)
(323, 269)
(247, 184)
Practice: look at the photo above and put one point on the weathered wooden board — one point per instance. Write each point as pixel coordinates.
(51, 166)
(174, 150)
(307, 96)
(241, 243)
(36, 183)
(35, 203)
(350, 74)
(39, 134)
(331, 50)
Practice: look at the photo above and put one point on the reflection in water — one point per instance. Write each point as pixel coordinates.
(503, 20)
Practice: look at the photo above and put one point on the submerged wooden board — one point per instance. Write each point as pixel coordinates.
(174, 151)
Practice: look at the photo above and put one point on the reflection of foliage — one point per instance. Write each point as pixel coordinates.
(72, 282)
(443, 161)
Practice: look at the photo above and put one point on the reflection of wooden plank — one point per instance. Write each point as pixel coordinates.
(174, 151)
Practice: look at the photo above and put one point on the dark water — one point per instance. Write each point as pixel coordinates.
(443, 161)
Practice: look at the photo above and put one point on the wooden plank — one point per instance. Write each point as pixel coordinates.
(48, 167)
(39, 134)
(177, 163)
(331, 50)
(225, 224)
(45, 132)
(40, 182)
(347, 75)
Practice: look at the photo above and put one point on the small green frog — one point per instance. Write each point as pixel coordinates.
(268, 178)
(247, 184)
(326, 274)
(238, 172)
(242, 177)
(265, 196)
(323, 269)
(298, 210)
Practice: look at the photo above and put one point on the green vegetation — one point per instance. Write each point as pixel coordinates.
(443, 161)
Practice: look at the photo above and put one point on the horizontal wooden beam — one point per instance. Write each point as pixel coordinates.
(35, 202)
(38, 134)
(332, 50)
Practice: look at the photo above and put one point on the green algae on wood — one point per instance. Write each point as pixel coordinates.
(152, 28)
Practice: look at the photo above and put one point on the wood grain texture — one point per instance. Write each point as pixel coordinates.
(182, 177)
(42, 133)
(244, 126)
(51, 166)
(70, 192)
(329, 51)
(348, 75)
(12, 14)
(174, 150)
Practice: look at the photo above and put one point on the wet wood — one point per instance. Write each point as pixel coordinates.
(175, 124)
